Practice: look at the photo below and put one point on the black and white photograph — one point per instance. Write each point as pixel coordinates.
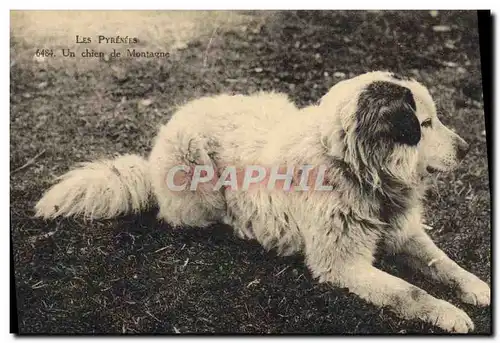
(265, 172)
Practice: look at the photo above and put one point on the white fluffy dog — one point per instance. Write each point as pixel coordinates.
(380, 138)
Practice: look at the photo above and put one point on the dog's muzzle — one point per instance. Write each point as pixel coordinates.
(462, 148)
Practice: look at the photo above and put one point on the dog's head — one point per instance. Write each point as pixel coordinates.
(388, 123)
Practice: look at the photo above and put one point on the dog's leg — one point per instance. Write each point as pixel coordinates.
(355, 271)
(401, 297)
(424, 255)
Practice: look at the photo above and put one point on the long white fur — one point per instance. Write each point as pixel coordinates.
(101, 189)
(337, 231)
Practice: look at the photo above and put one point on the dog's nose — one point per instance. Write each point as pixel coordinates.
(462, 149)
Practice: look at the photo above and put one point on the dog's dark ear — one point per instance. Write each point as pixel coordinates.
(388, 110)
(405, 125)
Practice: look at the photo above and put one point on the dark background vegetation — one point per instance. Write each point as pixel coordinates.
(135, 275)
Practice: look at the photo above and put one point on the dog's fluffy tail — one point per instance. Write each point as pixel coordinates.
(99, 190)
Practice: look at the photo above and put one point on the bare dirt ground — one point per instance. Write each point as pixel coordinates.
(135, 275)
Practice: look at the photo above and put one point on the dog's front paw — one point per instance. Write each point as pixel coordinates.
(475, 292)
(447, 317)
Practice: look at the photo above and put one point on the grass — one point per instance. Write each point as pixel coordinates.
(135, 275)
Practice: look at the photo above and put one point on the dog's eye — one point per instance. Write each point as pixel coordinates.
(427, 123)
